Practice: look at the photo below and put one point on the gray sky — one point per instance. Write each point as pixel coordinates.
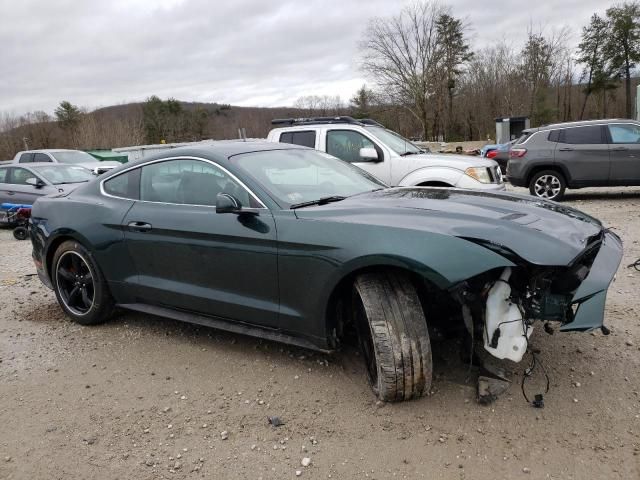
(244, 52)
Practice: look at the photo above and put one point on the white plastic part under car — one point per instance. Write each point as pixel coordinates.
(505, 316)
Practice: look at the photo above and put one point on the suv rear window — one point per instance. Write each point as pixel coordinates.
(523, 137)
(305, 138)
(589, 135)
(26, 158)
(554, 136)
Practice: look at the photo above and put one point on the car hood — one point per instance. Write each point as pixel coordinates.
(538, 231)
(460, 162)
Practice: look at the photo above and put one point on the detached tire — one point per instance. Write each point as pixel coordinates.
(393, 335)
(548, 185)
(80, 287)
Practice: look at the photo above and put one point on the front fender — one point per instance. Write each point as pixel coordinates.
(448, 175)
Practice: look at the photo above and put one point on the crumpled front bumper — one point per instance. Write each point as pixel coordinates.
(589, 300)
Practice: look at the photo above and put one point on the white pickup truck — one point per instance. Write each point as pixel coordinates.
(70, 157)
(387, 155)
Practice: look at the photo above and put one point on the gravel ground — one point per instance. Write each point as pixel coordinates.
(146, 398)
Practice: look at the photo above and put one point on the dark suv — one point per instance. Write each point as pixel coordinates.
(595, 153)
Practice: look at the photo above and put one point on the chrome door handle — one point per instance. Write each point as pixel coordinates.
(566, 149)
(139, 226)
(619, 149)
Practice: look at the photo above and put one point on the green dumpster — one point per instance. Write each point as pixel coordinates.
(108, 155)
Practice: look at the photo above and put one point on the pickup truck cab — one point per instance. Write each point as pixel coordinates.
(387, 155)
(69, 157)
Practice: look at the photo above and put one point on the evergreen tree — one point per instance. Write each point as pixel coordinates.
(455, 51)
(623, 48)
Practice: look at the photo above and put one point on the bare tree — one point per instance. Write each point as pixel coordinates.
(401, 53)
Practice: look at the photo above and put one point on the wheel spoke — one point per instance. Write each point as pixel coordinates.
(66, 274)
(76, 264)
(73, 293)
(85, 298)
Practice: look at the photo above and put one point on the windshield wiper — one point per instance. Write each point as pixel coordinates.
(320, 201)
(67, 183)
(409, 153)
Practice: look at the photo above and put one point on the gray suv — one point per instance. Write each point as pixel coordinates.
(595, 153)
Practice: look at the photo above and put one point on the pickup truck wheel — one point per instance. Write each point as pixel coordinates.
(548, 184)
(80, 287)
(393, 335)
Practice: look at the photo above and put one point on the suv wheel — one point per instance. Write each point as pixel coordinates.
(393, 335)
(548, 184)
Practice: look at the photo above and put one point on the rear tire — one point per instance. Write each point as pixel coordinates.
(548, 185)
(80, 287)
(393, 335)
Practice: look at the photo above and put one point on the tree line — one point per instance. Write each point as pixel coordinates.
(422, 61)
(427, 83)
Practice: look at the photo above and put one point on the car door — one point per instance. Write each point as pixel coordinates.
(189, 257)
(346, 144)
(624, 152)
(583, 151)
(18, 190)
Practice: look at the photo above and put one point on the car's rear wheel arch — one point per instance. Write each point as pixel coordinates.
(51, 251)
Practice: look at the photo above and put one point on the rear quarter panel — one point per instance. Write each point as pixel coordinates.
(93, 221)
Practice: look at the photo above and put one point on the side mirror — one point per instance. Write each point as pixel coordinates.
(226, 203)
(35, 182)
(369, 154)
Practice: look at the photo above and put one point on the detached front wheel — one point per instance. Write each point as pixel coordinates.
(80, 287)
(393, 335)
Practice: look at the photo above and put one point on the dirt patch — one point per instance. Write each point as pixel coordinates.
(144, 397)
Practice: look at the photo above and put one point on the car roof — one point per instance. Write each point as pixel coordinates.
(27, 165)
(52, 150)
(220, 150)
(582, 123)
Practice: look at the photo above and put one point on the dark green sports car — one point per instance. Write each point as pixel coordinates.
(291, 244)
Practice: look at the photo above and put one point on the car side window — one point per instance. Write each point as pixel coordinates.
(554, 136)
(19, 176)
(3, 175)
(125, 185)
(624, 133)
(346, 144)
(304, 138)
(189, 182)
(589, 135)
(26, 158)
(41, 157)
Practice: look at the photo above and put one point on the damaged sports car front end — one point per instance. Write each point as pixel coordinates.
(571, 296)
(553, 263)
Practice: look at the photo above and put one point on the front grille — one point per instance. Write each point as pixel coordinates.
(496, 174)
